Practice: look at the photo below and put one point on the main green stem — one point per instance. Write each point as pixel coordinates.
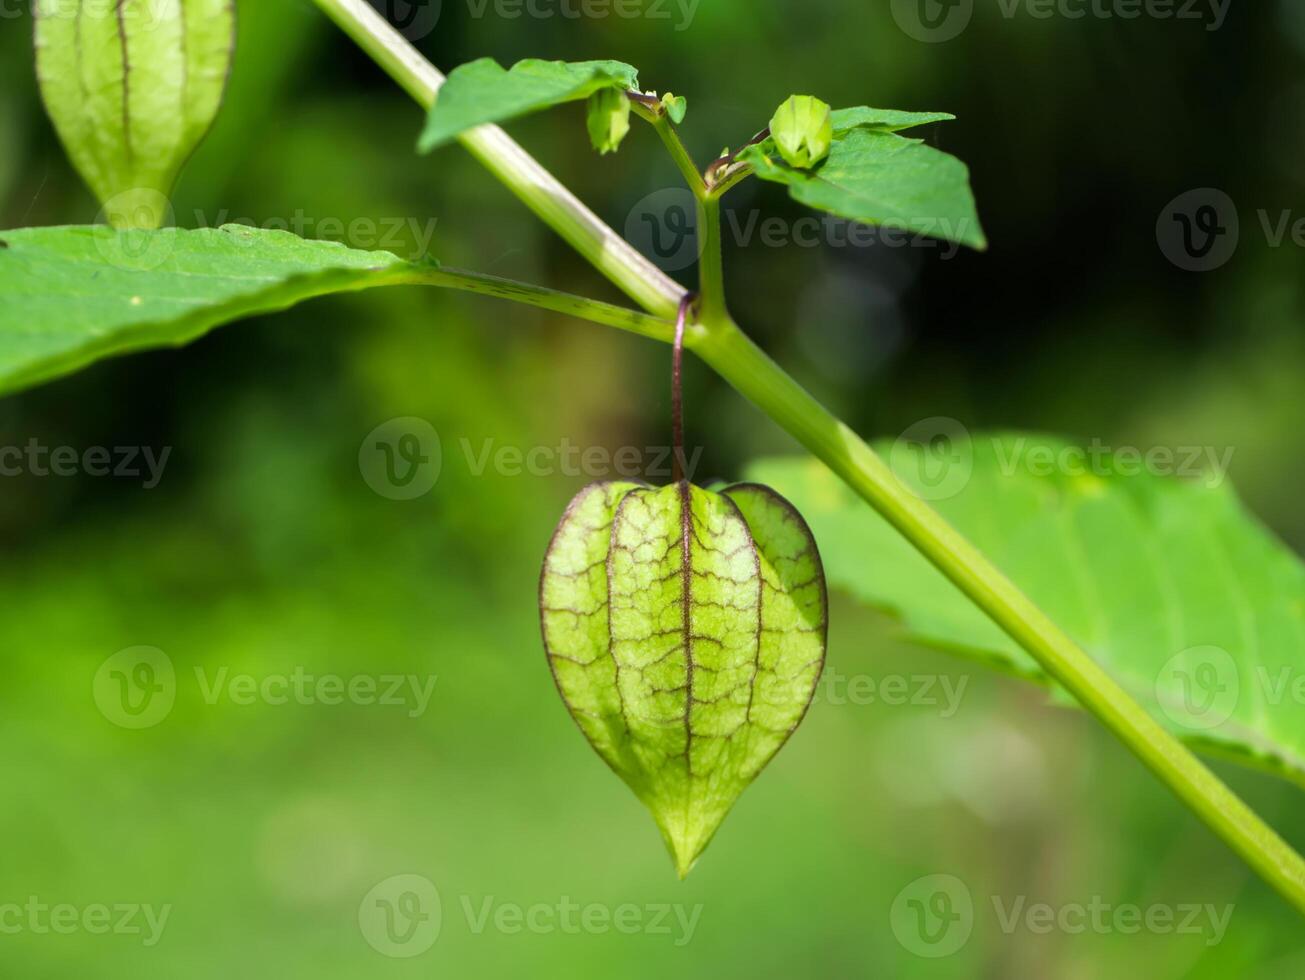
(722, 345)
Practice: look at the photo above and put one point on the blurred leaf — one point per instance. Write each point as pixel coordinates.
(878, 178)
(686, 631)
(132, 88)
(483, 92)
(1170, 585)
(74, 295)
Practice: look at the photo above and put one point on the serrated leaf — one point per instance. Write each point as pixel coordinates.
(878, 178)
(73, 295)
(132, 87)
(1169, 584)
(686, 632)
(888, 120)
(483, 92)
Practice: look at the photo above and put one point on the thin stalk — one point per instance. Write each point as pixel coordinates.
(734, 174)
(711, 276)
(725, 348)
(595, 311)
(679, 153)
(677, 392)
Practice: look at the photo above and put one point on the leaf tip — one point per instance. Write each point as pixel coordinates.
(685, 847)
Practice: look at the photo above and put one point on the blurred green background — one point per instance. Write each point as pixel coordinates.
(263, 549)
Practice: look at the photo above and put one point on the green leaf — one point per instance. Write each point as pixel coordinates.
(677, 107)
(1169, 584)
(686, 632)
(879, 178)
(132, 87)
(483, 92)
(70, 296)
(888, 120)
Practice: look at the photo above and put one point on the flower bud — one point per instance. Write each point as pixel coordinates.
(609, 119)
(803, 130)
(132, 87)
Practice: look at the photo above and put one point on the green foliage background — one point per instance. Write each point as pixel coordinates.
(263, 549)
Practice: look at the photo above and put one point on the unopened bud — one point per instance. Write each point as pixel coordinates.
(803, 130)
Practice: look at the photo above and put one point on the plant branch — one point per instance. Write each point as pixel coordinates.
(595, 311)
(722, 174)
(677, 392)
(711, 271)
(728, 176)
(656, 115)
(556, 206)
(726, 349)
